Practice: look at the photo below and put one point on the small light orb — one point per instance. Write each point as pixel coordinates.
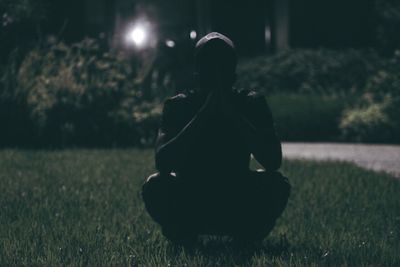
(170, 43)
(193, 35)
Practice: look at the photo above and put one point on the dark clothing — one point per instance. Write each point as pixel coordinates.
(219, 148)
(246, 210)
(212, 190)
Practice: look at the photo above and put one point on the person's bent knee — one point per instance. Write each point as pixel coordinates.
(149, 185)
(273, 177)
(156, 185)
(283, 184)
(283, 189)
(276, 188)
(157, 194)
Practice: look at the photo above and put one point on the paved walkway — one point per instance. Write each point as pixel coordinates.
(375, 157)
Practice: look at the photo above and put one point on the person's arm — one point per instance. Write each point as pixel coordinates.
(172, 145)
(256, 126)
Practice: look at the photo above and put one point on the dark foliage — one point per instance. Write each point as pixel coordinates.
(75, 95)
(375, 117)
(309, 71)
(387, 25)
(304, 117)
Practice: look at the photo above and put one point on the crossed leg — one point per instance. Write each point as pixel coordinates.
(245, 209)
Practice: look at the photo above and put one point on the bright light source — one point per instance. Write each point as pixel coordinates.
(170, 43)
(138, 35)
(193, 35)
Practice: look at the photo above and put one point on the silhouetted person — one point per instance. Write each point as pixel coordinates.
(204, 184)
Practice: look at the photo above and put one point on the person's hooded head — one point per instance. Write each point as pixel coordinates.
(215, 61)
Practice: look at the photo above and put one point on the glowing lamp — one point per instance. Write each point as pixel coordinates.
(138, 36)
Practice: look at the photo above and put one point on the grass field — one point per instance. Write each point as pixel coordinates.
(83, 208)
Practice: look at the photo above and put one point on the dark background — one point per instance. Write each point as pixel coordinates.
(69, 77)
(310, 23)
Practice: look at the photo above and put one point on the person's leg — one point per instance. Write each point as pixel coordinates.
(166, 200)
(265, 196)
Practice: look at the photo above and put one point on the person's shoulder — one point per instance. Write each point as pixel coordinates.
(181, 102)
(250, 97)
(188, 99)
(184, 96)
(176, 101)
(179, 109)
(255, 106)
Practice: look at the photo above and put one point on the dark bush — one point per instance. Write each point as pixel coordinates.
(387, 25)
(80, 95)
(16, 126)
(300, 81)
(386, 81)
(375, 118)
(376, 122)
(302, 117)
(309, 71)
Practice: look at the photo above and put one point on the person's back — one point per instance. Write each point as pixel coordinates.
(204, 185)
(220, 147)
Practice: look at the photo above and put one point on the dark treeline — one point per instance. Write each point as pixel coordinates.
(59, 88)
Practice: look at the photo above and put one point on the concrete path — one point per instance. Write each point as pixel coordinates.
(374, 157)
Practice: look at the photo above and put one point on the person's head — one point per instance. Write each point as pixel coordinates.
(215, 61)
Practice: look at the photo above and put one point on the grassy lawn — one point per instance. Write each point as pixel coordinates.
(82, 207)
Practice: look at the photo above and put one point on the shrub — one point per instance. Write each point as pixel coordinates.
(386, 81)
(375, 118)
(387, 25)
(309, 71)
(14, 119)
(377, 122)
(300, 117)
(299, 81)
(79, 94)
